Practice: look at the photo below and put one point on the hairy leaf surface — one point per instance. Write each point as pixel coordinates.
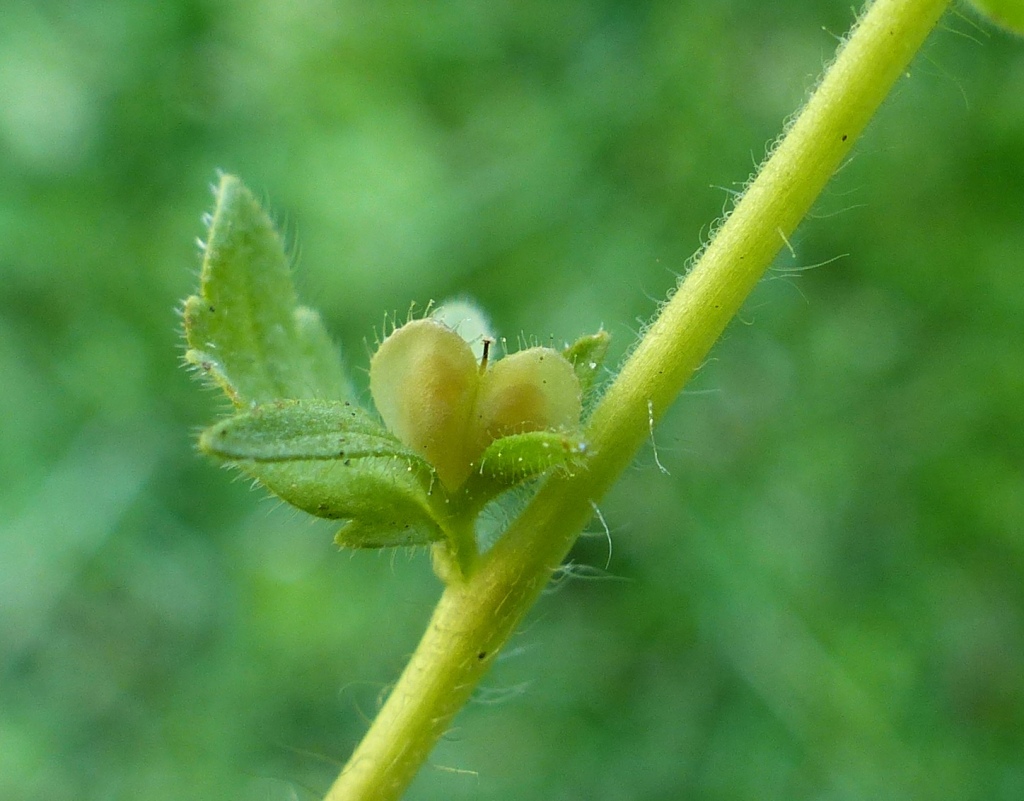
(245, 329)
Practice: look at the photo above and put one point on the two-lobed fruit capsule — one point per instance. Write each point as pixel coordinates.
(435, 397)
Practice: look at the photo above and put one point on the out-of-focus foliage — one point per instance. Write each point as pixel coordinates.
(823, 598)
(1008, 13)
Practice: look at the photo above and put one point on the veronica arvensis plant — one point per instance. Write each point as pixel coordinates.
(453, 429)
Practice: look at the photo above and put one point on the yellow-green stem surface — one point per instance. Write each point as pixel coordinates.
(475, 617)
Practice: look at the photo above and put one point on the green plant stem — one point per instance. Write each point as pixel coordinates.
(475, 617)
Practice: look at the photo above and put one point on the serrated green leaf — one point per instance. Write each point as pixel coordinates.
(245, 330)
(587, 355)
(331, 459)
(519, 457)
(321, 356)
(304, 430)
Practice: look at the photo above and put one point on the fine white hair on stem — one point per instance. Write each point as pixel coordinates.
(457, 771)
(654, 445)
(494, 696)
(607, 532)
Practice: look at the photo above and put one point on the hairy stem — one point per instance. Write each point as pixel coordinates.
(475, 617)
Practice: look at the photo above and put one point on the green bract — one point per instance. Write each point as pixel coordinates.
(457, 430)
(586, 355)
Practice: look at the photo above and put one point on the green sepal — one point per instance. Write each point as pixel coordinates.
(245, 330)
(586, 355)
(519, 457)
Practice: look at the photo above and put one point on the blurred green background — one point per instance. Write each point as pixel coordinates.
(822, 599)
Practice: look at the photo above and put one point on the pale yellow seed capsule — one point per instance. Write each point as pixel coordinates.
(435, 398)
(424, 381)
(532, 390)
